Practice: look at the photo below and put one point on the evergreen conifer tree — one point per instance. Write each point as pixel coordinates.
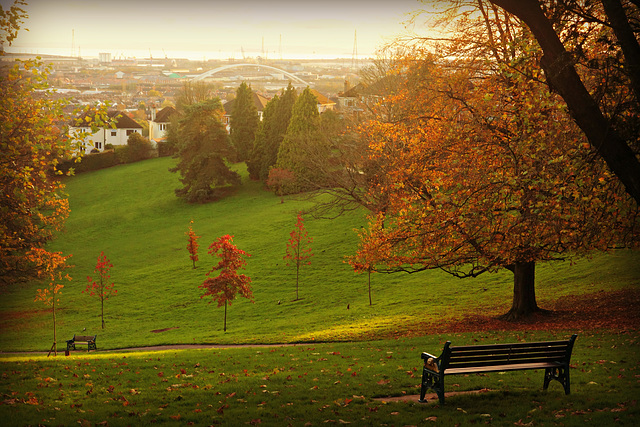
(203, 150)
(302, 140)
(244, 122)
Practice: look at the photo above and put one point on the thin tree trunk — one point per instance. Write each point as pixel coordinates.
(627, 39)
(297, 278)
(524, 291)
(55, 343)
(225, 316)
(102, 312)
(370, 303)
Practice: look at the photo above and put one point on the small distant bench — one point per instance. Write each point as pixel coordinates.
(552, 356)
(88, 340)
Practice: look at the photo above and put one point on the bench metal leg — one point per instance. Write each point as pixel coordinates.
(91, 346)
(560, 374)
(434, 382)
(71, 345)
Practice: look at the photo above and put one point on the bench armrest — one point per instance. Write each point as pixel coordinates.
(427, 356)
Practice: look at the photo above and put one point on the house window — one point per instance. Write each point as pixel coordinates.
(99, 145)
(114, 133)
(163, 126)
(130, 131)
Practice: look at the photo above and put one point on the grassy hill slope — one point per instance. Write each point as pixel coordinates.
(131, 213)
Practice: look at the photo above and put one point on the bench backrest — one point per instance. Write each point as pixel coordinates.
(506, 354)
(84, 337)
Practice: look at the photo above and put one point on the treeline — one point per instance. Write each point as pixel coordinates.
(276, 149)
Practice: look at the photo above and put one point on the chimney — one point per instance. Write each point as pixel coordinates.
(347, 86)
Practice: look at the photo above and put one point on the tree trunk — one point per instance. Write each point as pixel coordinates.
(225, 316)
(524, 291)
(102, 312)
(55, 343)
(370, 303)
(627, 39)
(297, 278)
(562, 77)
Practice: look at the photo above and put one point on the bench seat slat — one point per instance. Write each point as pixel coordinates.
(483, 364)
(538, 350)
(507, 357)
(501, 368)
(512, 345)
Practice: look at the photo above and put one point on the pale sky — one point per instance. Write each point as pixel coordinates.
(201, 28)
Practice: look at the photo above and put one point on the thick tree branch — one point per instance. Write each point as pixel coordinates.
(562, 76)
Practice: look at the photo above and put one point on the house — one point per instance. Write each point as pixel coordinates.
(349, 99)
(361, 99)
(258, 100)
(117, 135)
(159, 122)
(324, 103)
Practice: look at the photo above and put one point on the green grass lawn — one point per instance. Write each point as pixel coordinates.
(340, 373)
(131, 213)
(317, 384)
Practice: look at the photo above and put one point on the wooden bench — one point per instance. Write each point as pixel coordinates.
(552, 356)
(88, 340)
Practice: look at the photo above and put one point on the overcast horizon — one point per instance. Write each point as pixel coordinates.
(199, 29)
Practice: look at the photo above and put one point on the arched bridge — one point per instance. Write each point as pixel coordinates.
(268, 67)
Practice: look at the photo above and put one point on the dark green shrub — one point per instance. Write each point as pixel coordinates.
(90, 162)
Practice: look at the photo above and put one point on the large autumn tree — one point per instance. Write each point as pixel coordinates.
(204, 149)
(244, 122)
(33, 139)
(485, 170)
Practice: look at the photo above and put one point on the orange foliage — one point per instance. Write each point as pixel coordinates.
(483, 171)
(224, 287)
(193, 245)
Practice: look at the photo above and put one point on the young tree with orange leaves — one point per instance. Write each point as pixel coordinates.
(193, 245)
(298, 249)
(280, 180)
(50, 265)
(101, 288)
(224, 287)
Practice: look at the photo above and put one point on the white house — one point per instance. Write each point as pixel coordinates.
(159, 122)
(118, 135)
